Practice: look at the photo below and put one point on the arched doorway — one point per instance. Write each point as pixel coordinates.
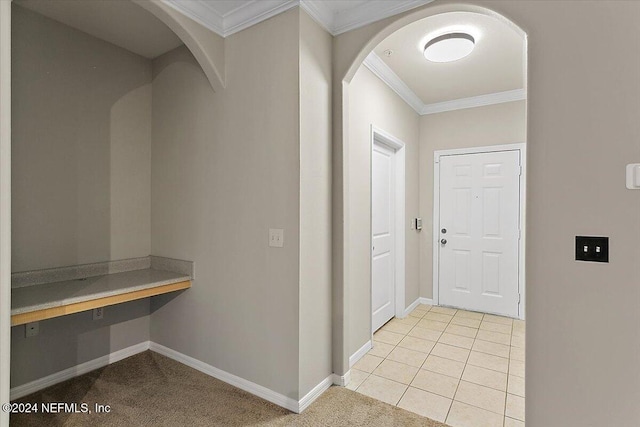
(205, 46)
(348, 243)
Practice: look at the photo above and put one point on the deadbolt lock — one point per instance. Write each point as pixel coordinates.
(443, 241)
(444, 231)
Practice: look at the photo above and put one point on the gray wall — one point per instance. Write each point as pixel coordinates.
(583, 340)
(81, 176)
(67, 341)
(225, 169)
(372, 102)
(471, 127)
(315, 204)
(81, 146)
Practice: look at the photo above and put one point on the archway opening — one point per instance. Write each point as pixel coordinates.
(97, 87)
(473, 111)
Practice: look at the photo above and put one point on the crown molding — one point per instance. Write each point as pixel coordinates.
(255, 11)
(475, 101)
(201, 12)
(319, 11)
(378, 67)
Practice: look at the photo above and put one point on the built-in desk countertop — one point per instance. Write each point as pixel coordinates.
(45, 301)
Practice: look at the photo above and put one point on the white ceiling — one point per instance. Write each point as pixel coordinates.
(224, 7)
(122, 23)
(495, 65)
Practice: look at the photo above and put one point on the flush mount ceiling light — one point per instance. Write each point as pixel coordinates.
(449, 47)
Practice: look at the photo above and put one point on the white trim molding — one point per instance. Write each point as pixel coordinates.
(243, 16)
(353, 359)
(241, 383)
(265, 393)
(201, 12)
(475, 101)
(342, 380)
(315, 393)
(320, 13)
(293, 405)
(427, 301)
(74, 371)
(380, 68)
(411, 307)
(254, 11)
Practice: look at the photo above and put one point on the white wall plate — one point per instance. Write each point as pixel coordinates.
(633, 176)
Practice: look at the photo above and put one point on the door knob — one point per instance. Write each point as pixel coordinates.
(444, 231)
(443, 241)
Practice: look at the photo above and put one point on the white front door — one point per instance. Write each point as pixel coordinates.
(479, 232)
(382, 228)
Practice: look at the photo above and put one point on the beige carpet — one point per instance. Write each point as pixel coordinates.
(151, 390)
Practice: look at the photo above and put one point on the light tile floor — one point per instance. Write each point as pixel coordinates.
(455, 366)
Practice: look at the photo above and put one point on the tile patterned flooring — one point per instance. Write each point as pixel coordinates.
(462, 368)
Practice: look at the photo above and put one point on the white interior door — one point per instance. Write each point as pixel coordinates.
(383, 235)
(479, 231)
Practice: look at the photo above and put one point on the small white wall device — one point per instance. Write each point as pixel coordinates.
(633, 176)
(418, 223)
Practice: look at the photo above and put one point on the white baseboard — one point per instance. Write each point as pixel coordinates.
(428, 301)
(248, 386)
(412, 306)
(342, 380)
(358, 354)
(74, 371)
(241, 383)
(315, 393)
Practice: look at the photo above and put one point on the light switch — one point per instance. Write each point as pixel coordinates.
(633, 176)
(276, 237)
(594, 249)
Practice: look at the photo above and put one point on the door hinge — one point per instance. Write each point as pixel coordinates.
(520, 173)
(519, 298)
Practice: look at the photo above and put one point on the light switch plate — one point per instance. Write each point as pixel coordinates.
(633, 176)
(591, 248)
(276, 237)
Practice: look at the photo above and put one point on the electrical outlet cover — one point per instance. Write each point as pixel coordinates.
(98, 313)
(31, 329)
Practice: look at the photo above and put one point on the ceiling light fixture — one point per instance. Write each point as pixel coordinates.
(449, 47)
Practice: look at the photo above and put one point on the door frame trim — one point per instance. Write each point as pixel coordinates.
(522, 149)
(398, 146)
